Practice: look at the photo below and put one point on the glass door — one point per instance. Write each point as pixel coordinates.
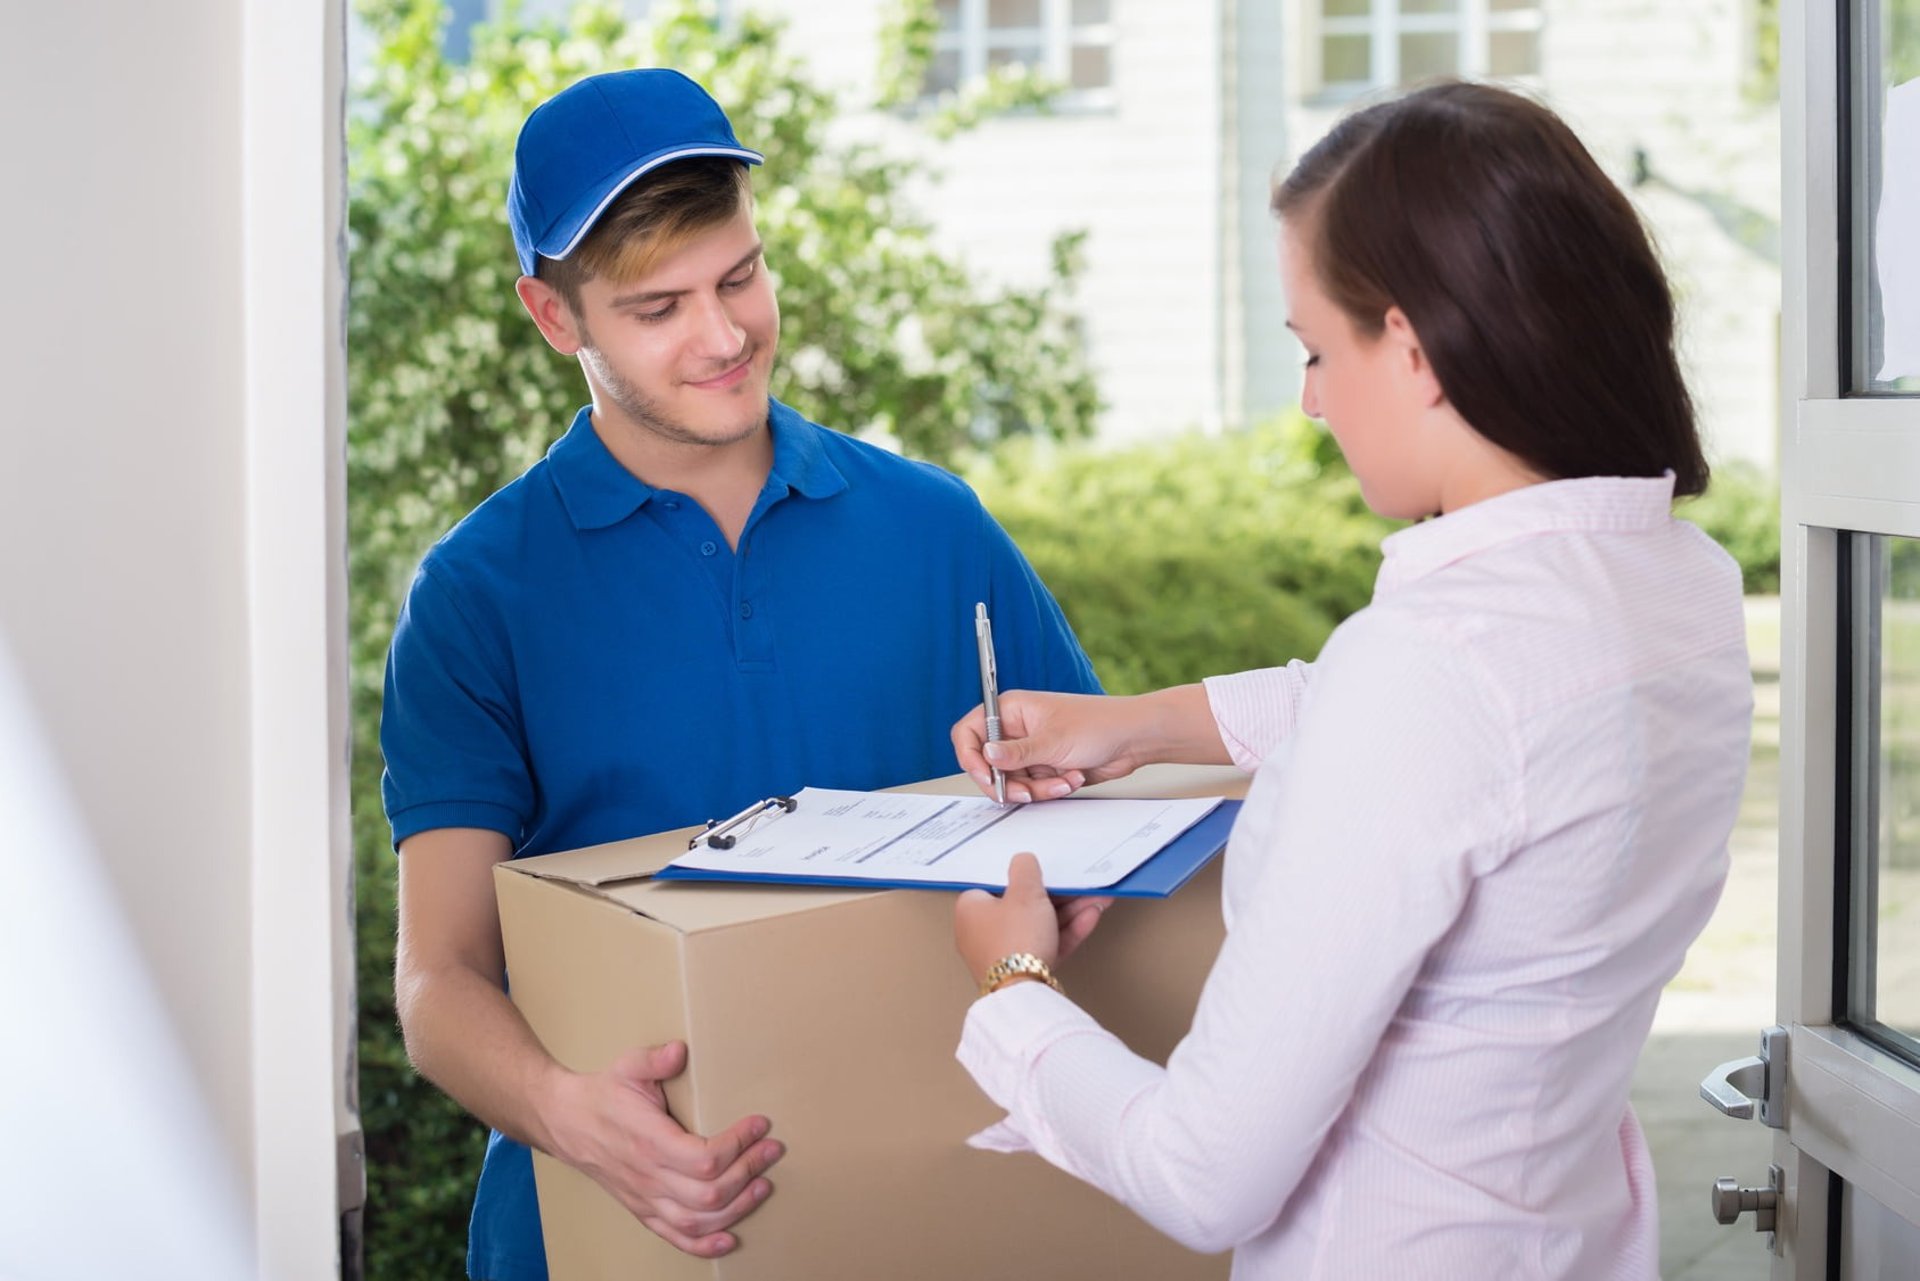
(1843, 1078)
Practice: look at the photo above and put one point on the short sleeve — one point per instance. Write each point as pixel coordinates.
(1256, 711)
(1035, 646)
(450, 726)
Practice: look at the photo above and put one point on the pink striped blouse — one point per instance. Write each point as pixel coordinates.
(1483, 829)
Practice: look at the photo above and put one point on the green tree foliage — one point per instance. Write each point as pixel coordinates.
(452, 393)
(1187, 557)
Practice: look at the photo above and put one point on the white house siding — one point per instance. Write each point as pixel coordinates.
(1184, 319)
(1144, 177)
(1675, 80)
(1672, 80)
(1185, 322)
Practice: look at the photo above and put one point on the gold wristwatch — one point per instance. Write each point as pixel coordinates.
(1018, 963)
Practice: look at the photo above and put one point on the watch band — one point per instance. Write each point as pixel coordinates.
(1018, 963)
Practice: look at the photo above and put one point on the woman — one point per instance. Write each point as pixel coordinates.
(1486, 823)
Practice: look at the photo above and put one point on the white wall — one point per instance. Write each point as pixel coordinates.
(169, 559)
(1673, 80)
(1143, 178)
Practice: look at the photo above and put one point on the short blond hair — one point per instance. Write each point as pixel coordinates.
(650, 220)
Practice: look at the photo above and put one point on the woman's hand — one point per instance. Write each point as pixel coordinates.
(1052, 744)
(988, 929)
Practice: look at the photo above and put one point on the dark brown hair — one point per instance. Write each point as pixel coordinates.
(658, 214)
(1525, 272)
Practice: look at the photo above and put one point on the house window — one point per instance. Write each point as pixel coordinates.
(1068, 41)
(1368, 44)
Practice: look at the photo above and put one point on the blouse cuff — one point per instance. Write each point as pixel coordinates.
(1256, 710)
(1062, 1077)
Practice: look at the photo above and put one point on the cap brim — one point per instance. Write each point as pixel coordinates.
(572, 227)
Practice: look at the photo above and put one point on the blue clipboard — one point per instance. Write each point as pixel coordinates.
(1158, 877)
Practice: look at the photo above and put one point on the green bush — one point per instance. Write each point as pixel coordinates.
(1186, 557)
(1741, 512)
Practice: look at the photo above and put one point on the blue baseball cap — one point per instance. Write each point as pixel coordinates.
(591, 141)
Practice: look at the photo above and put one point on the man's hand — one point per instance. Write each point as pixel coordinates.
(689, 1190)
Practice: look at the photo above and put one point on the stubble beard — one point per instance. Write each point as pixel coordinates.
(645, 412)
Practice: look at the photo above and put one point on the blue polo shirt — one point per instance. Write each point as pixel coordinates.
(584, 659)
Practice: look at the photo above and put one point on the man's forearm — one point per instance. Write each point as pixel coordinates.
(464, 1035)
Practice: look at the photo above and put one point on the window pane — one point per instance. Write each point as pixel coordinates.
(1092, 66)
(1013, 13)
(1092, 13)
(1429, 6)
(1428, 53)
(1015, 55)
(943, 72)
(1513, 53)
(949, 14)
(1346, 8)
(1884, 193)
(1884, 581)
(1346, 60)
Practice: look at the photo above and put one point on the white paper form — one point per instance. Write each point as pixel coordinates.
(893, 837)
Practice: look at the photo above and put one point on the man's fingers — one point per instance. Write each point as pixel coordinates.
(712, 1197)
(711, 1246)
(704, 1232)
(706, 1159)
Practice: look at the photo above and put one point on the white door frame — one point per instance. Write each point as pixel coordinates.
(306, 1128)
(1847, 463)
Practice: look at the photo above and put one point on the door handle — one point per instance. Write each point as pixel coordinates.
(1753, 1086)
(1736, 1087)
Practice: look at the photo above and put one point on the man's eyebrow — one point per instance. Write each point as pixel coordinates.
(661, 295)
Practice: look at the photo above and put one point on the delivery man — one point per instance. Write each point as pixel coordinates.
(698, 598)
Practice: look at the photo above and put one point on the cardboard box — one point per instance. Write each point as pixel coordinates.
(836, 1015)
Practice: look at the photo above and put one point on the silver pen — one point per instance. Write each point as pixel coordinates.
(990, 692)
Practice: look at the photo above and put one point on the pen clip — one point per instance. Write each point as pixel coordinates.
(990, 691)
(989, 664)
(717, 833)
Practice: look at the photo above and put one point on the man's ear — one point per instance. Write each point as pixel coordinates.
(1411, 357)
(557, 323)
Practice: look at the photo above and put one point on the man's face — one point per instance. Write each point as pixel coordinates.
(685, 352)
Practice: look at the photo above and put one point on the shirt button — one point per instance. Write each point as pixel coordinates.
(709, 548)
(671, 505)
(746, 610)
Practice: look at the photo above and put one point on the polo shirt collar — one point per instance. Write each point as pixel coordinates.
(597, 491)
(800, 461)
(1594, 504)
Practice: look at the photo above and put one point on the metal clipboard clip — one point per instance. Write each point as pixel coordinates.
(717, 834)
